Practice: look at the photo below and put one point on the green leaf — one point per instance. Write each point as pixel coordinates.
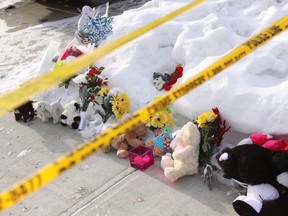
(204, 147)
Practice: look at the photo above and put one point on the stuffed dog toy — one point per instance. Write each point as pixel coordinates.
(166, 81)
(47, 111)
(160, 79)
(265, 173)
(26, 111)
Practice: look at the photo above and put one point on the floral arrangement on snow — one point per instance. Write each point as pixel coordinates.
(90, 84)
(70, 53)
(113, 102)
(160, 119)
(212, 129)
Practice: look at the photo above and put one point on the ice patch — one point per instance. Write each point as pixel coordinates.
(23, 153)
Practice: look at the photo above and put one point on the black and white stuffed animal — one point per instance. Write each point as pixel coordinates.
(71, 116)
(25, 111)
(160, 79)
(265, 173)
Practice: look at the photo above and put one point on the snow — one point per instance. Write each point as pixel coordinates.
(251, 94)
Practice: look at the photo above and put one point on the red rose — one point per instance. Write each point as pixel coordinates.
(94, 71)
(90, 73)
(99, 82)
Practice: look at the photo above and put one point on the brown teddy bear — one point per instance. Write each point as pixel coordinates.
(130, 138)
(26, 111)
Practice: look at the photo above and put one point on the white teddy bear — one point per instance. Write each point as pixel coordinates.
(70, 116)
(184, 160)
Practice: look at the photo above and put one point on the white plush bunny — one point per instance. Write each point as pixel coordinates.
(47, 111)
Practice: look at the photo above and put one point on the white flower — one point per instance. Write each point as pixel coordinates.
(80, 79)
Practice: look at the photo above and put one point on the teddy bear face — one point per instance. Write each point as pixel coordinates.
(141, 129)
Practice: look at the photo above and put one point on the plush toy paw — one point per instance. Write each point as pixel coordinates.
(77, 119)
(283, 179)
(122, 153)
(166, 161)
(74, 125)
(243, 206)
(172, 174)
(106, 148)
(17, 115)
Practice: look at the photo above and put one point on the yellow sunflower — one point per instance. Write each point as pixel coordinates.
(122, 97)
(120, 105)
(103, 91)
(206, 117)
(159, 119)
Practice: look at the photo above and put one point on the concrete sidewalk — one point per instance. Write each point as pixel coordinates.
(100, 185)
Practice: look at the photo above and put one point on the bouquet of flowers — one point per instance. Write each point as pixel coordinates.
(114, 102)
(212, 129)
(160, 119)
(70, 53)
(89, 86)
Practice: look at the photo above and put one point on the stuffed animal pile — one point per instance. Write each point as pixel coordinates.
(264, 173)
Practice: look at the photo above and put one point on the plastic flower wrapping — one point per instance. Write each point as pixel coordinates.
(70, 53)
(212, 129)
(65, 83)
(160, 119)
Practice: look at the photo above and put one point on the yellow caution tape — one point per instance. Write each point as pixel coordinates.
(20, 95)
(51, 171)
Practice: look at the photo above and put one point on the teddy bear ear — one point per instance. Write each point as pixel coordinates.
(77, 105)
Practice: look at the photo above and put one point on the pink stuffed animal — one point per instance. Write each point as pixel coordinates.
(266, 141)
